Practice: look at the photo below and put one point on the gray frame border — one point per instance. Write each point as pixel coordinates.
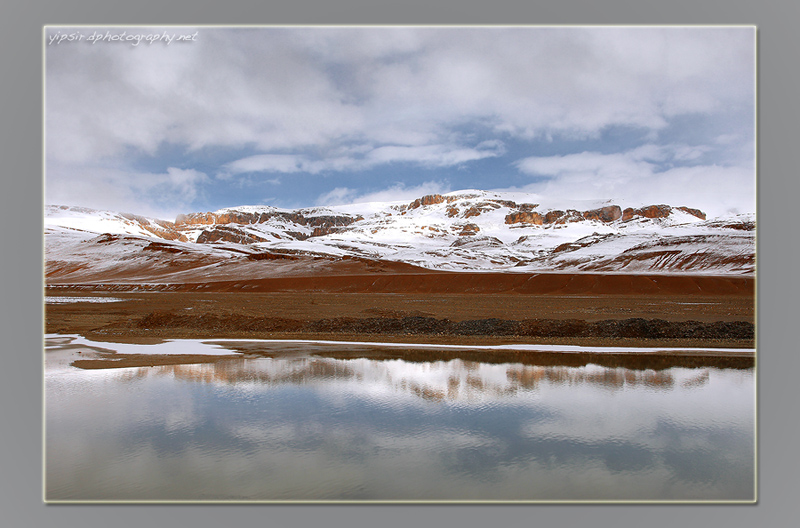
(20, 266)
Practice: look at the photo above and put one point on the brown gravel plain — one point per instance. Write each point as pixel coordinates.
(434, 308)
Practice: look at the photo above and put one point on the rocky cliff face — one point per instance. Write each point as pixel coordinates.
(430, 199)
(160, 228)
(651, 211)
(607, 214)
(694, 212)
(223, 233)
(225, 226)
(243, 218)
(659, 211)
(523, 217)
(603, 214)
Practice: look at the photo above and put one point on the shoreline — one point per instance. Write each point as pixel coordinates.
(476, 342)
(240, 344)
(89, 354)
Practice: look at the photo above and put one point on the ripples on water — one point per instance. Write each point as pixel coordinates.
(316, 428)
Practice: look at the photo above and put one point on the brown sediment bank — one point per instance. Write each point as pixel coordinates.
(439, 282)
(435, 308)
(655, 360)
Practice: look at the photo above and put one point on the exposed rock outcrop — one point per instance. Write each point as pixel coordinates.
(524, 217)
(476, 210)
(650, 211)
(323, 230)
(429, 199)
(222, 222)
(163, 248)
(242, 218)
(658, 211)
(604, 214)
(481, 242)
(561, 217)
(223, 233)
(695, 212)
(160, 228)
(468, 229)
(195, 219)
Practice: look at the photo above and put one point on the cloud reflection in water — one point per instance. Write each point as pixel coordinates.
(316, 428)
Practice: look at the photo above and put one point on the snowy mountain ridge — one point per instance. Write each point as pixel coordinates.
(460, 231)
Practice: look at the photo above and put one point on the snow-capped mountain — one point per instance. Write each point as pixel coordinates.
(459, 231)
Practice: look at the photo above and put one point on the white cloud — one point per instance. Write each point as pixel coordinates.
(688, 153)
(366, 158)
(629, 179)
(183, 182)
(726, 139)
(586, 164)
(161, 195)
(433, 155)
(338, 196)
(284, 88)
(396, 192)
(266, 163)
(317, 100)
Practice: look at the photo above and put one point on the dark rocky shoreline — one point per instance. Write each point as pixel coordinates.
(636, 327)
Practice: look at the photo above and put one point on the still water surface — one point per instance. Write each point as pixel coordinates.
(317, 428)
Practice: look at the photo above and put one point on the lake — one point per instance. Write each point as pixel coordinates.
(302, 426)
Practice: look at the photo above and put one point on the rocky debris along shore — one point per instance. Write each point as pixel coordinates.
(638, 328)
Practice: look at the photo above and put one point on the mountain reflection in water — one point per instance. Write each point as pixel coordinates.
(452, 381)
(314, 428)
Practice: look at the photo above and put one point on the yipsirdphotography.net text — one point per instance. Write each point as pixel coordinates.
(122, 36)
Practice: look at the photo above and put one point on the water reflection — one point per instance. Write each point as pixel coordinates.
(452, 380)
(320, 428)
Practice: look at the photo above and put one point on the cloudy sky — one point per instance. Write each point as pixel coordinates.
(140, 121)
